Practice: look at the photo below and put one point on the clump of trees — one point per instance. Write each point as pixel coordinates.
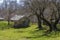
(9, 8)
(38, 7)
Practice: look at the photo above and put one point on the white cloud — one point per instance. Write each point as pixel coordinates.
(18, 1)
(1, 1)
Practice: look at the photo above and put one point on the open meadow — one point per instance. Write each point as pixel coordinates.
(30, 33)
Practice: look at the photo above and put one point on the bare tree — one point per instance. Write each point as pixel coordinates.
(11, 7)
(38, 7)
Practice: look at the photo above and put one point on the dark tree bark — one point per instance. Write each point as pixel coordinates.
(52, 25)
(39, 23)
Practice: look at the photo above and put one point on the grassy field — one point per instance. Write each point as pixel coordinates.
(30, 33)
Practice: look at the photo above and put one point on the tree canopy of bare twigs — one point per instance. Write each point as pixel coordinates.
(40, 9)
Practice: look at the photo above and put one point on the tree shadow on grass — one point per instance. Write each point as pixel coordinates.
(47, 35)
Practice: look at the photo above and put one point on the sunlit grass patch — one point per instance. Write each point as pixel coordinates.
(30, 33)
(4, 25)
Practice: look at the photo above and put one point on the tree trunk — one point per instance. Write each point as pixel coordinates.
(39, 23)
(8, 21)
(54, 27)
(9, 16)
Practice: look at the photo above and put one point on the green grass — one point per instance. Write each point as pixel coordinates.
(29, 33)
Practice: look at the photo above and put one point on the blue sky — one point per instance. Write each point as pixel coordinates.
(18, 1)
(2, 1)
